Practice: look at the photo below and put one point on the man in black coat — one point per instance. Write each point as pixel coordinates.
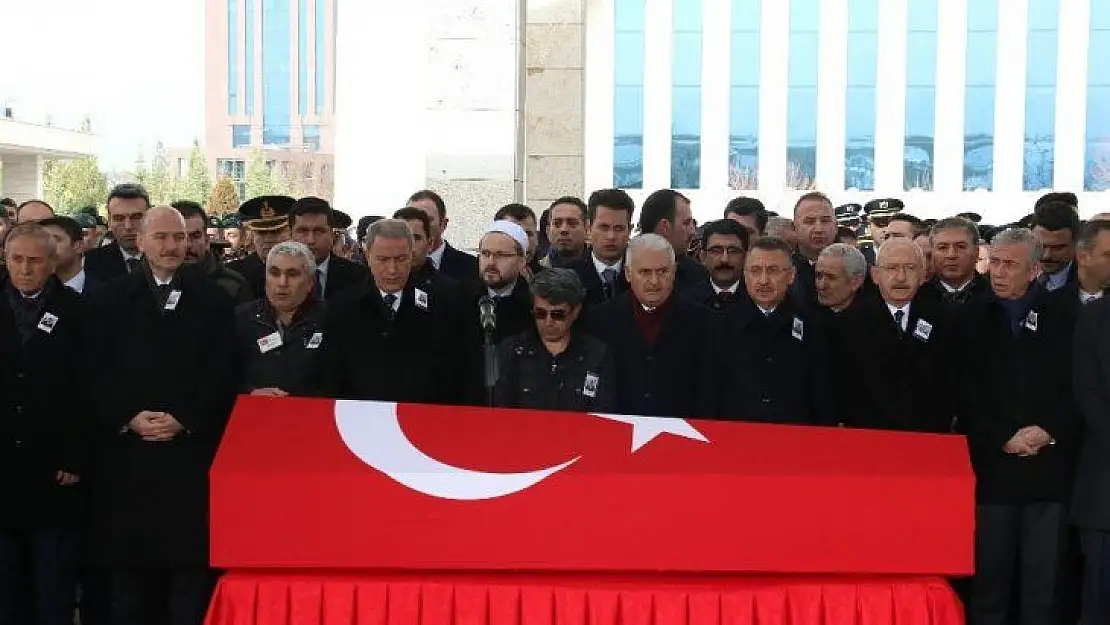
(955, 244)
(1024, 434)
(42, 443)
(665, 345)
(602, 269)
(388, 341)
(155, 428)
(555, 366)
(911, 361)
(777, 365)
(815, 224)
(458, 265)
(127, 203)
(439, 286)
(1091, 504)
(667, 212)
(726, 243)
(267, 219)
(311, 221)
(278, 336)
(500, 262)
(201, 255)
(1056, 226)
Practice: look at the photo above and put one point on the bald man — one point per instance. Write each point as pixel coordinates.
(153, 332)
(910, 369)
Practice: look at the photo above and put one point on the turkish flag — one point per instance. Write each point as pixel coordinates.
(304, 483)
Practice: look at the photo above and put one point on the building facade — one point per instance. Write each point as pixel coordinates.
(271, 88)
(25, 144)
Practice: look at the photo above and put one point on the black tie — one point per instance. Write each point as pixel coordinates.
(320, 284)
(609, 282)
(899, 316)
(957, 297)
(133, 263)
(389, 300)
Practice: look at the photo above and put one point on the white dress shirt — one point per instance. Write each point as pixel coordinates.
(905, 317)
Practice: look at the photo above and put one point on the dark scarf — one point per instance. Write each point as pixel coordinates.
(1017, 310)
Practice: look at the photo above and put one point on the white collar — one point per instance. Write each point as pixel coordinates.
(952, 289)
(600, 265)
(732, 289)
(1085, 297)
(77, 282)
(396, 302)
(505, 292)
(160, 282)
(128, 255)
(767, 312)
(437, 254)
(324, 266)
(905, 309)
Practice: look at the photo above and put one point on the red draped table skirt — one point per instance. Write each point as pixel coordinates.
(245, 598)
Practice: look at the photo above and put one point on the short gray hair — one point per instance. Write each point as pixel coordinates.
(894, 243)
(1089, 232)
(389, 229)
(855, 265)
(296, 250)
(33, 230)
(955, 223)
(649, 241)
(1020, 236)
(559, 286)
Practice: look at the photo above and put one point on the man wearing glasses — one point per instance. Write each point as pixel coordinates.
(501, 262)
(726, 242)
(127, 204)
(554, 366)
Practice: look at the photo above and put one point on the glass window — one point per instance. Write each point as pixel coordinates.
(248, 55)
(232, 57)
(686, 95)
(276, 94)
(743, 127)
(234, 170)
(863, 64)
(1096, 170)
(302, 57)
(1040, 95)
(312, 138)
(801, 95)
(981, 61)
(628, 95)
(921, 93)
(240, 136)
(321, 54)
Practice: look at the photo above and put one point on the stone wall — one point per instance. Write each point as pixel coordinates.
(21, 177)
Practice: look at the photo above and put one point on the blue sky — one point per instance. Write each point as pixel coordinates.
(136, 67)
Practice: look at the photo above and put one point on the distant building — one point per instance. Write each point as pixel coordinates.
(25, 145)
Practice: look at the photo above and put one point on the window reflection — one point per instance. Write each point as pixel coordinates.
(276, 94)
(1096, 171)
(801, 98)
(979, 94)
(863, 59)
(921, 80)
(1040, 95)
(232, 57)
(686, 95)
(628, 95)
(743, 127)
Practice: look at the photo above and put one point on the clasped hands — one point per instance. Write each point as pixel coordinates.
(1028, 441)
(155, 427)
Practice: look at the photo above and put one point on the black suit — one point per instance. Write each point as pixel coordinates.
(1091, 503)
(253, 269)
(974, 293)
(675, 377)
(804, 288)
(150, 499)
(343, 274)
(41, 421)
(369, 355)
(910, 375)
(704, 294)
(687, 272)
(777, 365)
(596, 292)
(458, 265)
(106, 262)
(1017, 374)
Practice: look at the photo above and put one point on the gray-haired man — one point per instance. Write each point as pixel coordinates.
(279, 335)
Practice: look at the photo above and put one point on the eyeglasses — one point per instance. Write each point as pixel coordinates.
(772, 271)
(497, 256)
(541, 314)
(721, 250)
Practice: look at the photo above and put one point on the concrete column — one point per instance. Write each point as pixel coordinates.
(21, 177)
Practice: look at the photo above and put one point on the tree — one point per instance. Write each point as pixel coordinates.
(158, 178)
(71, 185)
(264, 178)
(224, 198)
(197, 186)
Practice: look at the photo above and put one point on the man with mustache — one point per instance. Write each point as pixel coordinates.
(198, 253)
(163, 338)
(726, 243)
(566, 230)
(912, 347)
(501, 254)
(777, 366)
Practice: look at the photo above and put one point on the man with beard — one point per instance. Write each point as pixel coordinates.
(567, 232)
(267, 219)
(500, 261)
(1056, 226)
(199, 253)
(278, 337)
(816, 225)
(602, 270)
(726, 243)
(127, 203)
(150, 335)
(524, 217)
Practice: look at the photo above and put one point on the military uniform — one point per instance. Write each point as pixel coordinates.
(267, 213)
(274, 356)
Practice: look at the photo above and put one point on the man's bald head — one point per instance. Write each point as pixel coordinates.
(900, 248)
(162, 240)
(33, 211)
(159, 216)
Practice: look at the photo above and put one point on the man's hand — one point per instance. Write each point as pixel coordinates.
(269, 392)
(1036, 437)
(1019, 446)
(157, 427)
(67, 479)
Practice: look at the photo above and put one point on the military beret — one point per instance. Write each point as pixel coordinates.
(883, 207)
